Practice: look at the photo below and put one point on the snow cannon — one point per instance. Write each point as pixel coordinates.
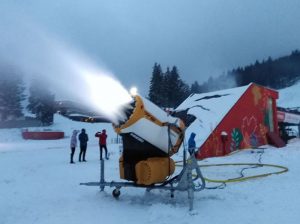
(150, 137)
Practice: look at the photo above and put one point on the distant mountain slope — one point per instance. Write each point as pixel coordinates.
(276, 73)
(290, 96)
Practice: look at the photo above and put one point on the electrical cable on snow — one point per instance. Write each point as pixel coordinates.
(259, 164)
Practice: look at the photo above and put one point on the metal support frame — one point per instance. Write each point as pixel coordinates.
(184, 181)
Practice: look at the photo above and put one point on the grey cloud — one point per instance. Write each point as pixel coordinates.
(202, 38)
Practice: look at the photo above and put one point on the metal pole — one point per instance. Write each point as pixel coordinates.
(102, 175)
(190, 188)
(184, 156)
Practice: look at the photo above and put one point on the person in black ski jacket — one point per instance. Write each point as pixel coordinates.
(83, 139)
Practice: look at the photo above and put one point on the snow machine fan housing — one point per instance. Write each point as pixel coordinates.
(150, 137)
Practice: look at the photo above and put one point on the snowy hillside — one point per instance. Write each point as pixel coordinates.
(38, 185)
(289, 97)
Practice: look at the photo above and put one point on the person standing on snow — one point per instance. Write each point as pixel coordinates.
(73, 144)
(102, 143)
(83, 139)
(192, 143)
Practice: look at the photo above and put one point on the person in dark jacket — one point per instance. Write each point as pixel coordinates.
(102, 142)
(83, 139)
(73, 144)
(192, 143)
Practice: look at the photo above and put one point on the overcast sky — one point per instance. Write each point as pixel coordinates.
(201, 37)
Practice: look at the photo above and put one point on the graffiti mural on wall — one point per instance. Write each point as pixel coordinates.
(257, 95)
(247, 123)
(263, 133)
(215, 144)
(249, 128)
(251, 135)
(236, 139)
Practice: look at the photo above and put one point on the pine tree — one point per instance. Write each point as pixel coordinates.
(175, 87)
(167, 89)
(41, 102)
(177, 90)
(195, 87)
(11, 93)
(155, 90)
(183, 94)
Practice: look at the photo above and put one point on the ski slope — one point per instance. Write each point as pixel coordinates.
(38, 185)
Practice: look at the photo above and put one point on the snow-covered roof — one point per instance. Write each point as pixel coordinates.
(209, 109)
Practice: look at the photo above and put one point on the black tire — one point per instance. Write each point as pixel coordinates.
(116, 193)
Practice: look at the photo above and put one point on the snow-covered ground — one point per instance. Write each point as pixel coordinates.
(289, 97)
(39, 185)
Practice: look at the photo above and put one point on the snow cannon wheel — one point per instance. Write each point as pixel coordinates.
(116, 193)
(172, 195)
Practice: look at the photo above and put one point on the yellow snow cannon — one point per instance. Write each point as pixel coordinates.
(150, 137)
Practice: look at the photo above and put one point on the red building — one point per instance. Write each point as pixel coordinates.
(232, 119)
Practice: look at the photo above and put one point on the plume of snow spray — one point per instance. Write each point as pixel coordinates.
(69, 74)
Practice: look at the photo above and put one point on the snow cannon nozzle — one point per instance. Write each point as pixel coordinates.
(144, 120)
(126, 112)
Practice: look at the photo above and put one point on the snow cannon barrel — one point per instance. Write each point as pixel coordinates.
(146, 122)
(148, 132)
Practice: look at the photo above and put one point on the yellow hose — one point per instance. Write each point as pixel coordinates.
(283, 170)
